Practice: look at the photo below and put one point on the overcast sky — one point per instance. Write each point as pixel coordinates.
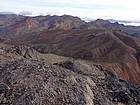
(87, 9)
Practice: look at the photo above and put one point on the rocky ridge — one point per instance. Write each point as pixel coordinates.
(13, 24)
(28, 81)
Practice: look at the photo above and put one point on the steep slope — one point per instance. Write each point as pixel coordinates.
(28, 25)
(28, 81)
(9, 19)
(113, 49)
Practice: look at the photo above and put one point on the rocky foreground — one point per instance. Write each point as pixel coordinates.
(27, 80)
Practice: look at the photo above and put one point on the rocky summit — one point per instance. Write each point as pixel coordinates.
(29, 81)
(63, 60)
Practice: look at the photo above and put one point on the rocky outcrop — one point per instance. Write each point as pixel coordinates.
(10, 53)
(71, 82)
(29, 77)
(17, 52)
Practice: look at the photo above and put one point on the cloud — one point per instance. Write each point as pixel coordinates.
(7, 12)
(25, 13)
(107, 9)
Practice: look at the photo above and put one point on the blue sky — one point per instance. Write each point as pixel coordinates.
(86, 9)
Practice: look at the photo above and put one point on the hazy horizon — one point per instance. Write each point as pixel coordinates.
(85, 9)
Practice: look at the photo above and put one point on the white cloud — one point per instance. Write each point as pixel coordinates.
(25, 13)
(113, 9)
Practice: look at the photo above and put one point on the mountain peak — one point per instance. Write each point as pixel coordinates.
(101, 22)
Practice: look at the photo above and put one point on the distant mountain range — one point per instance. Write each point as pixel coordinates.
(112, 44)
(60, 22)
